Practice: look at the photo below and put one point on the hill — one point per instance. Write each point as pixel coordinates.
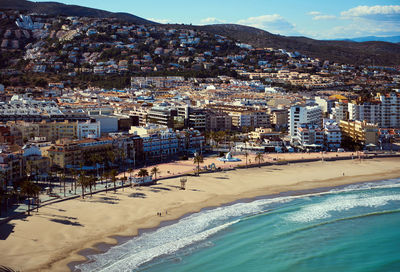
(392, 39)
(54, 8)
(357, 53)
(367, 53)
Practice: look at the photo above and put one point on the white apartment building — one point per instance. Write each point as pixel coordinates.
(159, 141)
(339, 111)
(309, 136)
(88, 129)
(242, 119)
(325, 104)
(367, 111)
(303, 114)
(332, 134)
(390, 107)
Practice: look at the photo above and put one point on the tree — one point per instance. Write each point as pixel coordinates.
(130, 170)
(198, 159)
(123, 179)
(83, 182)
(111, 156)
(114, 173)
(63, 180)
(106, 177)
(91, 182)
(246, 154)
(74, 174)
(154, 171)
(260, 158)
(143, 173)
(29, 189)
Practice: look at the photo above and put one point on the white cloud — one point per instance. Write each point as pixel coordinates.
(314, 13)
(324, 17)
(320, 16)
(211, 20)
(161, 21)
(379, 13)
(272, 23)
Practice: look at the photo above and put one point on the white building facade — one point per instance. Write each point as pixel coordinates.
(303, 114)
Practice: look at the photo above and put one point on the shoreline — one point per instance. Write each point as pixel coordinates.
(209, 200)
(103, 247)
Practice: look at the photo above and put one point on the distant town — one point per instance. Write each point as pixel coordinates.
(83, 94)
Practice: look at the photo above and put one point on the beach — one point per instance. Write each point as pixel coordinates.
(50, 239)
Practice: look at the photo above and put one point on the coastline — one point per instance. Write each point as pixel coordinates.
(200, 194)
(102, 247)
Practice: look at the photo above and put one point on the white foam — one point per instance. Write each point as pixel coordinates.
(169, 239)
(146, 255)
(340, 203)
(199, 226)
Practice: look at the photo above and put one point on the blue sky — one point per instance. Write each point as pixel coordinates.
(312, 18)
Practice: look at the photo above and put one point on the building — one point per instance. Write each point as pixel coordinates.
(369, 111)
(360, 132)
(88, 128)
(33, 161)
(53, 131)
(309, 137)
(325, 104)
(390, 110)
(159, 142)
(332, 135)
(340, 111)
(303, 114)
(163, 116)
(279, 118)
(193, 117)
(262, 133)
(68, 153)
(249, 119)
(11, 165)
(9, 136)
(218, 121)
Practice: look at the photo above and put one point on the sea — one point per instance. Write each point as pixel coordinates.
(349, 228)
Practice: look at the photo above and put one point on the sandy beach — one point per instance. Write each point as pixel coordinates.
(51, 238)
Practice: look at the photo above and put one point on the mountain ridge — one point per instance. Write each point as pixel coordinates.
(350, 52)
(55, 8)
(367, 53)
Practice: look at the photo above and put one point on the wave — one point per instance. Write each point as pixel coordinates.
(359, 216)
(339, 203)
(199, 226)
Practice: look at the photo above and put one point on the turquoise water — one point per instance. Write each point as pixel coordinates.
(355, 228)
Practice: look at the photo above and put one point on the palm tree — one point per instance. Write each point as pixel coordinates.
(95, 159)
(29, 189)
(83, 182)
(124, 179)
(91, 181)
(63, 180)
(260, 157)
(143, 173)
(154, 171)
(111, 156)
(130, 170)
(246, 154)
(198, 159)
(74, 174)
(114, 173)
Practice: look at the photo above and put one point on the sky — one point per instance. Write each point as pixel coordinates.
(319, 19)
